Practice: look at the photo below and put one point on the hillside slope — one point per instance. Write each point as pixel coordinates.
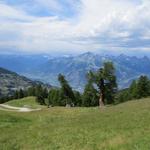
(11, 81)
(27, 101)
(121, 127)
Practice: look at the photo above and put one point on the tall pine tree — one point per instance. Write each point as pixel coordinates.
(66, 90)
(39, 95)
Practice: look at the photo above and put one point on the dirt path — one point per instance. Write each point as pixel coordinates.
(17, 109)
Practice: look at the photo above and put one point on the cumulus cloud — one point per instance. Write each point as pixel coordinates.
(95, 25)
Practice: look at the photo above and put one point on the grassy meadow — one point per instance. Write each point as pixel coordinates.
(121, 127)
(27, 102)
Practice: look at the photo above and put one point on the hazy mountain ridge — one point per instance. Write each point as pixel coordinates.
(46, 68)
(75, 68)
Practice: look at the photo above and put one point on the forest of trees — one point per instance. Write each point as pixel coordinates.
(138, 89)
(100, 90)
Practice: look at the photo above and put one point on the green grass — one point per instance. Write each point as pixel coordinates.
(121, 127)
(27, 101)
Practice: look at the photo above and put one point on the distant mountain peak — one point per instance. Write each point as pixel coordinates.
(87, 55)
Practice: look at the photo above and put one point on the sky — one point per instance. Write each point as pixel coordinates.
(75, 26)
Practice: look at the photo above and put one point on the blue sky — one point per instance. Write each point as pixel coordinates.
(74, 26)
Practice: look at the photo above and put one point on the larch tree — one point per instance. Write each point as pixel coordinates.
(105, 80)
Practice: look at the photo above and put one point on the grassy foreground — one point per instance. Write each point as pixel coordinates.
(122, 127)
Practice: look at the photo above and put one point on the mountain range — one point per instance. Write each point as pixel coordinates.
(46, 68)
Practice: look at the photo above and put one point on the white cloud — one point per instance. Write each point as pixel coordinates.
(98, 24)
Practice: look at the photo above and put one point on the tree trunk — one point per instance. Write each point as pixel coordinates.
(102, 93)
(101, 100)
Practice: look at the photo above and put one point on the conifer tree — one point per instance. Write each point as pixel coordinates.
(105, 80)
(66, 90)
(45, 93)
(31, 91)
(16, 95)
(21, 93)
(90, 95)
(54, 97)
(78, 98)
(133, 89)
(143, 87)
(39, 95)
(110, 82)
